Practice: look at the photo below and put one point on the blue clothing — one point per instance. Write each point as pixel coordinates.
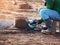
(48, 15)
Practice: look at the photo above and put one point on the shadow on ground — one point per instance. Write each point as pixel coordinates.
(16, 31)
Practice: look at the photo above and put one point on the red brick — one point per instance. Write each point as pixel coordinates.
(21, 23)
(25, 6)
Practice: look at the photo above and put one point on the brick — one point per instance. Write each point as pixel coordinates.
(25, 6)
(21, 23)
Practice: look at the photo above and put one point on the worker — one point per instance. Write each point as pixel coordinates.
(50, 12)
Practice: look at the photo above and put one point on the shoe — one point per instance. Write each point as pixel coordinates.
(43, 28)
(44, 32)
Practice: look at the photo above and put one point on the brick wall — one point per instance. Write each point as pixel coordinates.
(10, 4)
(11, 9)
(7, 4)
(15, 7)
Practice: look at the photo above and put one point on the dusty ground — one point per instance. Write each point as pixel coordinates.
(19, 37)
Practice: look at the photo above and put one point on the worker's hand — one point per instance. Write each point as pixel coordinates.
(39, 21)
